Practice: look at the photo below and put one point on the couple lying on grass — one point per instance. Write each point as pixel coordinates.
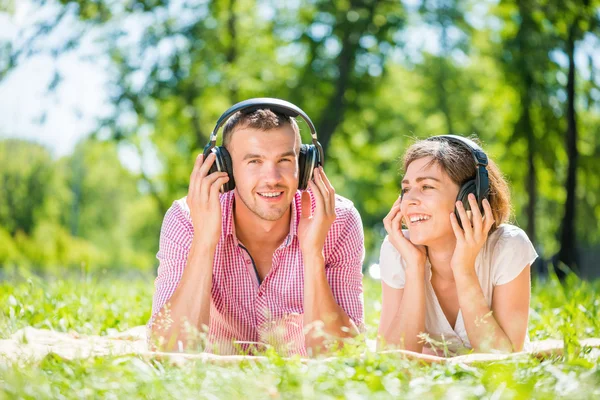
(262, 252)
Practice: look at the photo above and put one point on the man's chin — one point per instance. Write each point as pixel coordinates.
(270, 216)
(271, 213)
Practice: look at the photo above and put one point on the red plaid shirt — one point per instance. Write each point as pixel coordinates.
(244, 312)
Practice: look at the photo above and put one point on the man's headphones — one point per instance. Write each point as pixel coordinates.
(480, 184)
(311, 155)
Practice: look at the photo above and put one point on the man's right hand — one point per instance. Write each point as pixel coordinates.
(414, 255)
(203, 201)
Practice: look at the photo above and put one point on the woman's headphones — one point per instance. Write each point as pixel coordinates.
(480, 185)
(311, 155)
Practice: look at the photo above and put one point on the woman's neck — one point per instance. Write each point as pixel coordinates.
(440, 254)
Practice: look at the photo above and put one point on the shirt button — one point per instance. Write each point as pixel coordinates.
(260, 294)
(248, 261)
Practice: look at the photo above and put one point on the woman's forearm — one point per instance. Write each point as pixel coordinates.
(483, 330)
(409, 321)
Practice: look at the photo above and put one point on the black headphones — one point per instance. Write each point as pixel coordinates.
(311, 155)
(480, 184)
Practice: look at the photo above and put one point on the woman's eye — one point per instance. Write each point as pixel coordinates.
(404, 190)
(427, 187)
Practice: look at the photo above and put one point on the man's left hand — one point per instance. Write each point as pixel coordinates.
(313, 228)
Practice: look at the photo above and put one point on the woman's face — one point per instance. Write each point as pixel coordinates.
(428, 199)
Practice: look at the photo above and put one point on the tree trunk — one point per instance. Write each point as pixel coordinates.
(232, 52)
(524, 125)
(442, 78)
(334, 111)
(568, 251)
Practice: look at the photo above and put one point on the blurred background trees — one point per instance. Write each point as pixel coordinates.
(373, 75)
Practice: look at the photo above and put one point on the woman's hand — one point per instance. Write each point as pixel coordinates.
(414, 255)
(472, 237)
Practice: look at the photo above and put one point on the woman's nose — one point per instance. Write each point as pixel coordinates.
(410, 197)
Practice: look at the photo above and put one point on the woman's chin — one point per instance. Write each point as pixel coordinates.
(417, 237)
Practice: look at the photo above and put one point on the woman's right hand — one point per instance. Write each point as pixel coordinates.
(204, 202)
(413, 255)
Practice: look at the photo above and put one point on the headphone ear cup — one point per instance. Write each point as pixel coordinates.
(463, 196)
(222, 163)
(226, 166)
(306, 165)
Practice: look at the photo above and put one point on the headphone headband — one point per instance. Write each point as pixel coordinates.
(276, 105)
(309, 156)
(478, 154)
(481, 162)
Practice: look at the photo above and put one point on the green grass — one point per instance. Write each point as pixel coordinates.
(102, 303)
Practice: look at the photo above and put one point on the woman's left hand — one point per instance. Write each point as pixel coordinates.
(471, 238)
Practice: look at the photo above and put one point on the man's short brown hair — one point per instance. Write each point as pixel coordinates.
(263, 119)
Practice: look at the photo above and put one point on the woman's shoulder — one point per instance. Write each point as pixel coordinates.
(508, 234)
(509, 251)
(391, 265)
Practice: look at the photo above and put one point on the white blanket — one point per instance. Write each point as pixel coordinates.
(32, 345)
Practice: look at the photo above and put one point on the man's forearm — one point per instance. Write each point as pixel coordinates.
(320, 305)
(483, 330)
(409, 320)
(189, 304)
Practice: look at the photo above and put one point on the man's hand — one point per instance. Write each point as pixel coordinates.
(313, 229)
(203, 201)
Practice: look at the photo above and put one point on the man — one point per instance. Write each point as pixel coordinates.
(265, 263)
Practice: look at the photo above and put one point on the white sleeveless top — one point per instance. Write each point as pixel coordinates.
(504, 255)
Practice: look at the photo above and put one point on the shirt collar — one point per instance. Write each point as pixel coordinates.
(227, 211)
(227, 201)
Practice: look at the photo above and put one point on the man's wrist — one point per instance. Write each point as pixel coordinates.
(313, 257)
(204, 246)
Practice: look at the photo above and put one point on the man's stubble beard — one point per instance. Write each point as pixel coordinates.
(259, 213)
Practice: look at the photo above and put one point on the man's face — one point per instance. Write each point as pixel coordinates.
(265, 168)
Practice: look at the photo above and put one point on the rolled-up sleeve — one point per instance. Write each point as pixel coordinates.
(344, 266)
(175, 240)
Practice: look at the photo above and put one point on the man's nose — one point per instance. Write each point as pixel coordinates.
(271, 172)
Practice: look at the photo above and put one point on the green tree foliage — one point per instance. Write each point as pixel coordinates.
(501, 71)
(80, 211)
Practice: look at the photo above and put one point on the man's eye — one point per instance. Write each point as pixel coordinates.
(253, 162)
(285, 160)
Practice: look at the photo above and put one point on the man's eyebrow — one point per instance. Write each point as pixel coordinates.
(422, 178)
(282, 155)
(287, 154)
(248, 156)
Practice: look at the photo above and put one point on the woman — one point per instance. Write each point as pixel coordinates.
(455, 280)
